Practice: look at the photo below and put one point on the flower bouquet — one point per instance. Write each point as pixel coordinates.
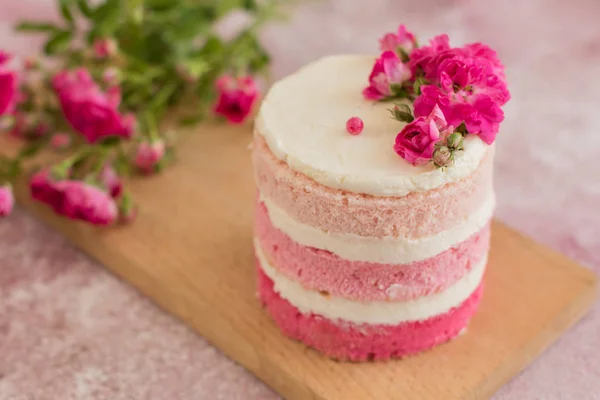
(111, 75)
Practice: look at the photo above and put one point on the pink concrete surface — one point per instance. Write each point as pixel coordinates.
(326, 272)
(346, 341)
(70, 330)
(333, 210)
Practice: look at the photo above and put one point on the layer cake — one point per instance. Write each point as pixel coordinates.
(360, 254)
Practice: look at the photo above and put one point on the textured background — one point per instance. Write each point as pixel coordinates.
(70, 330)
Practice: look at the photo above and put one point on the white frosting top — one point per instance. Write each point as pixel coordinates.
(303, 120)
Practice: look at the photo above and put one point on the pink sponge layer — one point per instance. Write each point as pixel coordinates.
(324, 271)
(352, 342)
(415, 215)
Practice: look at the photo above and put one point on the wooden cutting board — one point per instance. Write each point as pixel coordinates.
(191, 252)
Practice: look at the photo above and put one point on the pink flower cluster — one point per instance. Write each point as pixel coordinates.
(90, 111)
(236, 96)
(8, 85)
(451, 87)
(7, 200)
(78, 199)
(148, 155)
(8, 96)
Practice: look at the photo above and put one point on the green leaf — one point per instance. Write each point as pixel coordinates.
(59, 42)
(161, 5)
(462, 128)
(65, 11)
(31, 150)
(191, 120)
(259, 61)
(196, 67)
(250, 5)
(107, 18)
(213, 44)
(191, 23)
(29, 26)
(84, 8)
(111, 141)
(223, 7)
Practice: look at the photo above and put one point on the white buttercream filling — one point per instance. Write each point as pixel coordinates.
(386, 250)
(374, 312)
(303, 120)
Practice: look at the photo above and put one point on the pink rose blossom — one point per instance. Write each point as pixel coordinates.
(113, 94)
(4, 57)
(469, 77)
(388, 70)
(481, 51)
(74, 199)
(104, 48)
(421, 57)
(480, 113)
(7, 200)
(88, 110)
(8, 86)
(60, 141)
(482, 117)
(111, 181)
(469, 91)
(148, 155)
(416, 142)
(86, 202)
(403, 40)
(236, 97)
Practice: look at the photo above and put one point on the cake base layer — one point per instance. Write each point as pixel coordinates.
(364, 342)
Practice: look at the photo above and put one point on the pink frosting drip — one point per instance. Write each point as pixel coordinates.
(415, 215)
(328, 273)
(347, 341)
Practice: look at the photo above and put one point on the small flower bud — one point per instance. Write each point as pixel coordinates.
(443, 156)
(31, 63)
(455, 141)
(60, 141)
(105, 48)
(127, 209)
(111, 76)
(402, 113)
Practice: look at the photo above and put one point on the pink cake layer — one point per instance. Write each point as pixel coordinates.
(348, 341)
(326, 272)
(415, 215)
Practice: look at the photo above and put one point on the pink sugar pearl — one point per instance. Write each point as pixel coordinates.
(354, 125)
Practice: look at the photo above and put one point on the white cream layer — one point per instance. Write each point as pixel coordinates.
(374, 312)
(303, 120)
(386, 250)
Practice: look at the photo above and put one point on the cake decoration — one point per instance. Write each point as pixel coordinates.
(453, 90)
(354, 125)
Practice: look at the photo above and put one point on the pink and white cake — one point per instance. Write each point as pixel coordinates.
(364, 251)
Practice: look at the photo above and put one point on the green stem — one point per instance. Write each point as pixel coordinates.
(104, 152)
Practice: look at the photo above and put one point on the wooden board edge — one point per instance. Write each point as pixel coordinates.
(76, 233)
(572, 314)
